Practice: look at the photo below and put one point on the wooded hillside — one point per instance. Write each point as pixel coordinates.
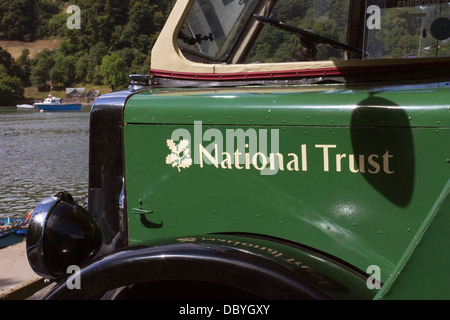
(114, 36)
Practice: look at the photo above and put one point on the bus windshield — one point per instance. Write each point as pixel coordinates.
(305, 30)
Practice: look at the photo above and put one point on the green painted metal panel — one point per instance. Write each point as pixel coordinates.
(423, 270)
(357, 178)
(321, 105)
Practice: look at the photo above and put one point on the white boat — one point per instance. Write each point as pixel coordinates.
(55, 104)
(25, 106)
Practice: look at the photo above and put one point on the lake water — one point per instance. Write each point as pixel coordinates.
(41, 154)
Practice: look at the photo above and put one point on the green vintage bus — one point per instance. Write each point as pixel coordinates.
(277, 149)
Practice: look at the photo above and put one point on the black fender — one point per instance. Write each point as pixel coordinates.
(216, 264)
(106, 163)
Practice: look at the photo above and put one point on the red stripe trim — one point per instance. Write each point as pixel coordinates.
(244, 75)
(295, 73)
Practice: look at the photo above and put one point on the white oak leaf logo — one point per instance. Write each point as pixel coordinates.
(180, 156)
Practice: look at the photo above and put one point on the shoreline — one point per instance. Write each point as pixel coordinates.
(32, 95)
(18, 280)
(83, 101)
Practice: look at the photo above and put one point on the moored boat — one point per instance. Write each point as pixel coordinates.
(55, 104)
(25, 106)
(13, 230)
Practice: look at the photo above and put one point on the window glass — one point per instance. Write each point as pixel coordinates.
(212, 27)
(328, 18)
(407, 29)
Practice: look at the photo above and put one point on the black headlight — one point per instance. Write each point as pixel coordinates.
(60, 234)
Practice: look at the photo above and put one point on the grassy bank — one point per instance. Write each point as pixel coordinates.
(15, 47)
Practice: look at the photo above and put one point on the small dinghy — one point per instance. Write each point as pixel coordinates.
(25, 107)
(13, 230)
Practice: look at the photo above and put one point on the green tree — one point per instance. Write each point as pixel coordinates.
(63, 72)
(8, 62)
(145, 20)
(140, 64)
(100, 18)
(10, 87)
(96, 54)
(24, 64)
(26, 19)
(40, 69)
(56, 25)
(82, 69)
(114, 71)
(17, 19)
